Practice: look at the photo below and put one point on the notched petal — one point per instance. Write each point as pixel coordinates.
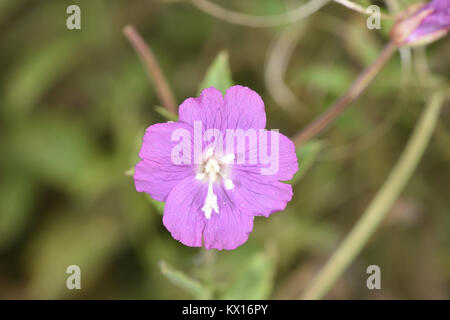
(244, 109)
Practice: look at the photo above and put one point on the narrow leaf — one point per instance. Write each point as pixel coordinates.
(181, 280)
(255, 280)
(158, 205)
(218, 74)
(306, 156)
(166, 113)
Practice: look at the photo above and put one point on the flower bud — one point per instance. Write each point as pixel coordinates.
(421, 24)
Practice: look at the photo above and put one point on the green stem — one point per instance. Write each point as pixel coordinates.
(381, 204)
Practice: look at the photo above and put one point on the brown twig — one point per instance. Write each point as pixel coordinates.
(163, 90)
(344, 102)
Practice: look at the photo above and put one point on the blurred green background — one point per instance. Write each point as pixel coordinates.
(74, 106)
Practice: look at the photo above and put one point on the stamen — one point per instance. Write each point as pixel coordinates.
(209, 153)
(228, 184)
(211, 170)
(200, 176)
(228, 158)
(210, 202)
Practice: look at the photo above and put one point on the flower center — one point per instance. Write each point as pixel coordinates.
(212, 169)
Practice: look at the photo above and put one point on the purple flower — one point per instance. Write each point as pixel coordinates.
(421, 24)
(232, 174)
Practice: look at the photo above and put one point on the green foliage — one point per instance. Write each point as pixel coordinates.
(17, 197)
(82, 239)
(332, 79)
(158, 205)
(306, 156)
(74, 106)
(218, 74)
(60, 150)
(26, 84)
(254, 280)
(166, 114)
(181, 280)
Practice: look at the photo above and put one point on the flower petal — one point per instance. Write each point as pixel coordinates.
(183, 216)
(244, 109)
(281, 165)
(156, 174)
(207, 108)
(241, 108)
(230, 227)
(438, 21)
(260, 195)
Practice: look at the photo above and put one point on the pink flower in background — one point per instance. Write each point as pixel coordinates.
(213, 200)
(421, 24)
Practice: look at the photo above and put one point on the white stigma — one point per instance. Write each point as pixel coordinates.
(211, 170)
(228, 158)
(228, 184)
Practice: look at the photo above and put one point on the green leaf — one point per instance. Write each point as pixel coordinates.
(166, 114)
(306, 156)
(218, 74)
(52, 148)
(255, 280)
(158, 205)
(178, 278)
(36, 74)
(332, 78)
(365, 46)
(17, 196)
(129, 172)
(71, 238)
